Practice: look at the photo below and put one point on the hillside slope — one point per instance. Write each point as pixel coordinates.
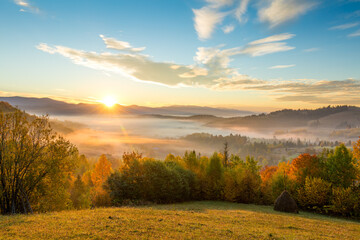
(196, 220)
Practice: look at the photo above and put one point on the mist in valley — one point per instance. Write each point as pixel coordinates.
(157, 137)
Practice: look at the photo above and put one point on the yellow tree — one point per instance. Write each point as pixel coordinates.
(99, 176)
(356, 156)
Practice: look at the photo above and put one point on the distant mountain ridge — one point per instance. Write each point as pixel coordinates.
(338, 117)
(55, 107)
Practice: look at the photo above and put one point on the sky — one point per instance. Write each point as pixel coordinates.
(246, 54)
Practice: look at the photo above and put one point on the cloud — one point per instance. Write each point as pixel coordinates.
(112, 43)
(26, 6)
(268, 45)
(274, 38)
(228, 29)
(282, 66)
(273, 12)
(241, 10)
(277, 12)
(211, 70)
(355, 34)
(205, 21)
(266, 48)
(321, 92)
(344, 26)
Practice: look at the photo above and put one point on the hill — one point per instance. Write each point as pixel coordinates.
(55, 107)
(63, 127)
(196, 220)
(327, 117)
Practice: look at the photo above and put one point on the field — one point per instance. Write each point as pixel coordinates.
(195, 220)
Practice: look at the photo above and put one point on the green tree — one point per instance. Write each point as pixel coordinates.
(80, 194)
(340, 167)
(214, 178)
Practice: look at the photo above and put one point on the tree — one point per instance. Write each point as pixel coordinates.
(34, 161)
(356, 155)
(305, 165)
(226, 154)
(80, 195)
(214, 178)
(99, 176)
(340, 167)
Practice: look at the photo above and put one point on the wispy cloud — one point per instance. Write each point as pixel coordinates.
(205, 21)
(240, 11)
(355, 34)
(228, 29)
(282, 66)
(26, 6)
(268, 45)
(273, 12)
(112, 43)
(344, 26)
(277, 12)
(274, 38)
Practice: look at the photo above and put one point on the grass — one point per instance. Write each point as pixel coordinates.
(193, 220)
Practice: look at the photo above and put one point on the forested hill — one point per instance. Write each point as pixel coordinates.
(63, 127)
(338, 117)
(6, 107)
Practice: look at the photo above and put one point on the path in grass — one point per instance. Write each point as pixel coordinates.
(195, 220)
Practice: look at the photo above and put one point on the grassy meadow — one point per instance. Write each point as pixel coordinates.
(192, 220)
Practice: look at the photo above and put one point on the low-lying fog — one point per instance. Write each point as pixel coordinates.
(157, 137)
(152, 136)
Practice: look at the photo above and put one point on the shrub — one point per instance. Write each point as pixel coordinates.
(315, 194)
(345, 201)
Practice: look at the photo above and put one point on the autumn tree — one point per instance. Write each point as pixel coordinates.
(34, 163)
(356, 155)
(99, 176)
(305, 165)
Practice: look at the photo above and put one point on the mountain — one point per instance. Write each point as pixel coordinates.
(339, 117)
(55, 107)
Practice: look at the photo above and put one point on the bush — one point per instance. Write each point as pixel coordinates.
(345, 201)
(315, 194)
(151, 180)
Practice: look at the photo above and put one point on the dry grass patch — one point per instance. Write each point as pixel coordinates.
(194, 220)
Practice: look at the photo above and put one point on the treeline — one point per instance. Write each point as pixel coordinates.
(328, 183)
(40, 171)
(265, 151)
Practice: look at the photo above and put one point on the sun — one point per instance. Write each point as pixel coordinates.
(109, 101)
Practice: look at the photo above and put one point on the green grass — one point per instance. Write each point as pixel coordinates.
(194, 220)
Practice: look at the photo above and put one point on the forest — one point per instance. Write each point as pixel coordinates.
(41, 171)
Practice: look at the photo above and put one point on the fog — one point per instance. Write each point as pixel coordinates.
(157, 137)
(151, 136)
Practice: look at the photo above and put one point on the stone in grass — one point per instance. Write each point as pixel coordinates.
(285, 203)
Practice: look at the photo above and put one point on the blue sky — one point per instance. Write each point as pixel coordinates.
(251, 54)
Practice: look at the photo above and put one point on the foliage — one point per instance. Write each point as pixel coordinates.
(80, 194)
(345, 201)
(101, 172)
(340, 167)
(34, 164)
(315, 194)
